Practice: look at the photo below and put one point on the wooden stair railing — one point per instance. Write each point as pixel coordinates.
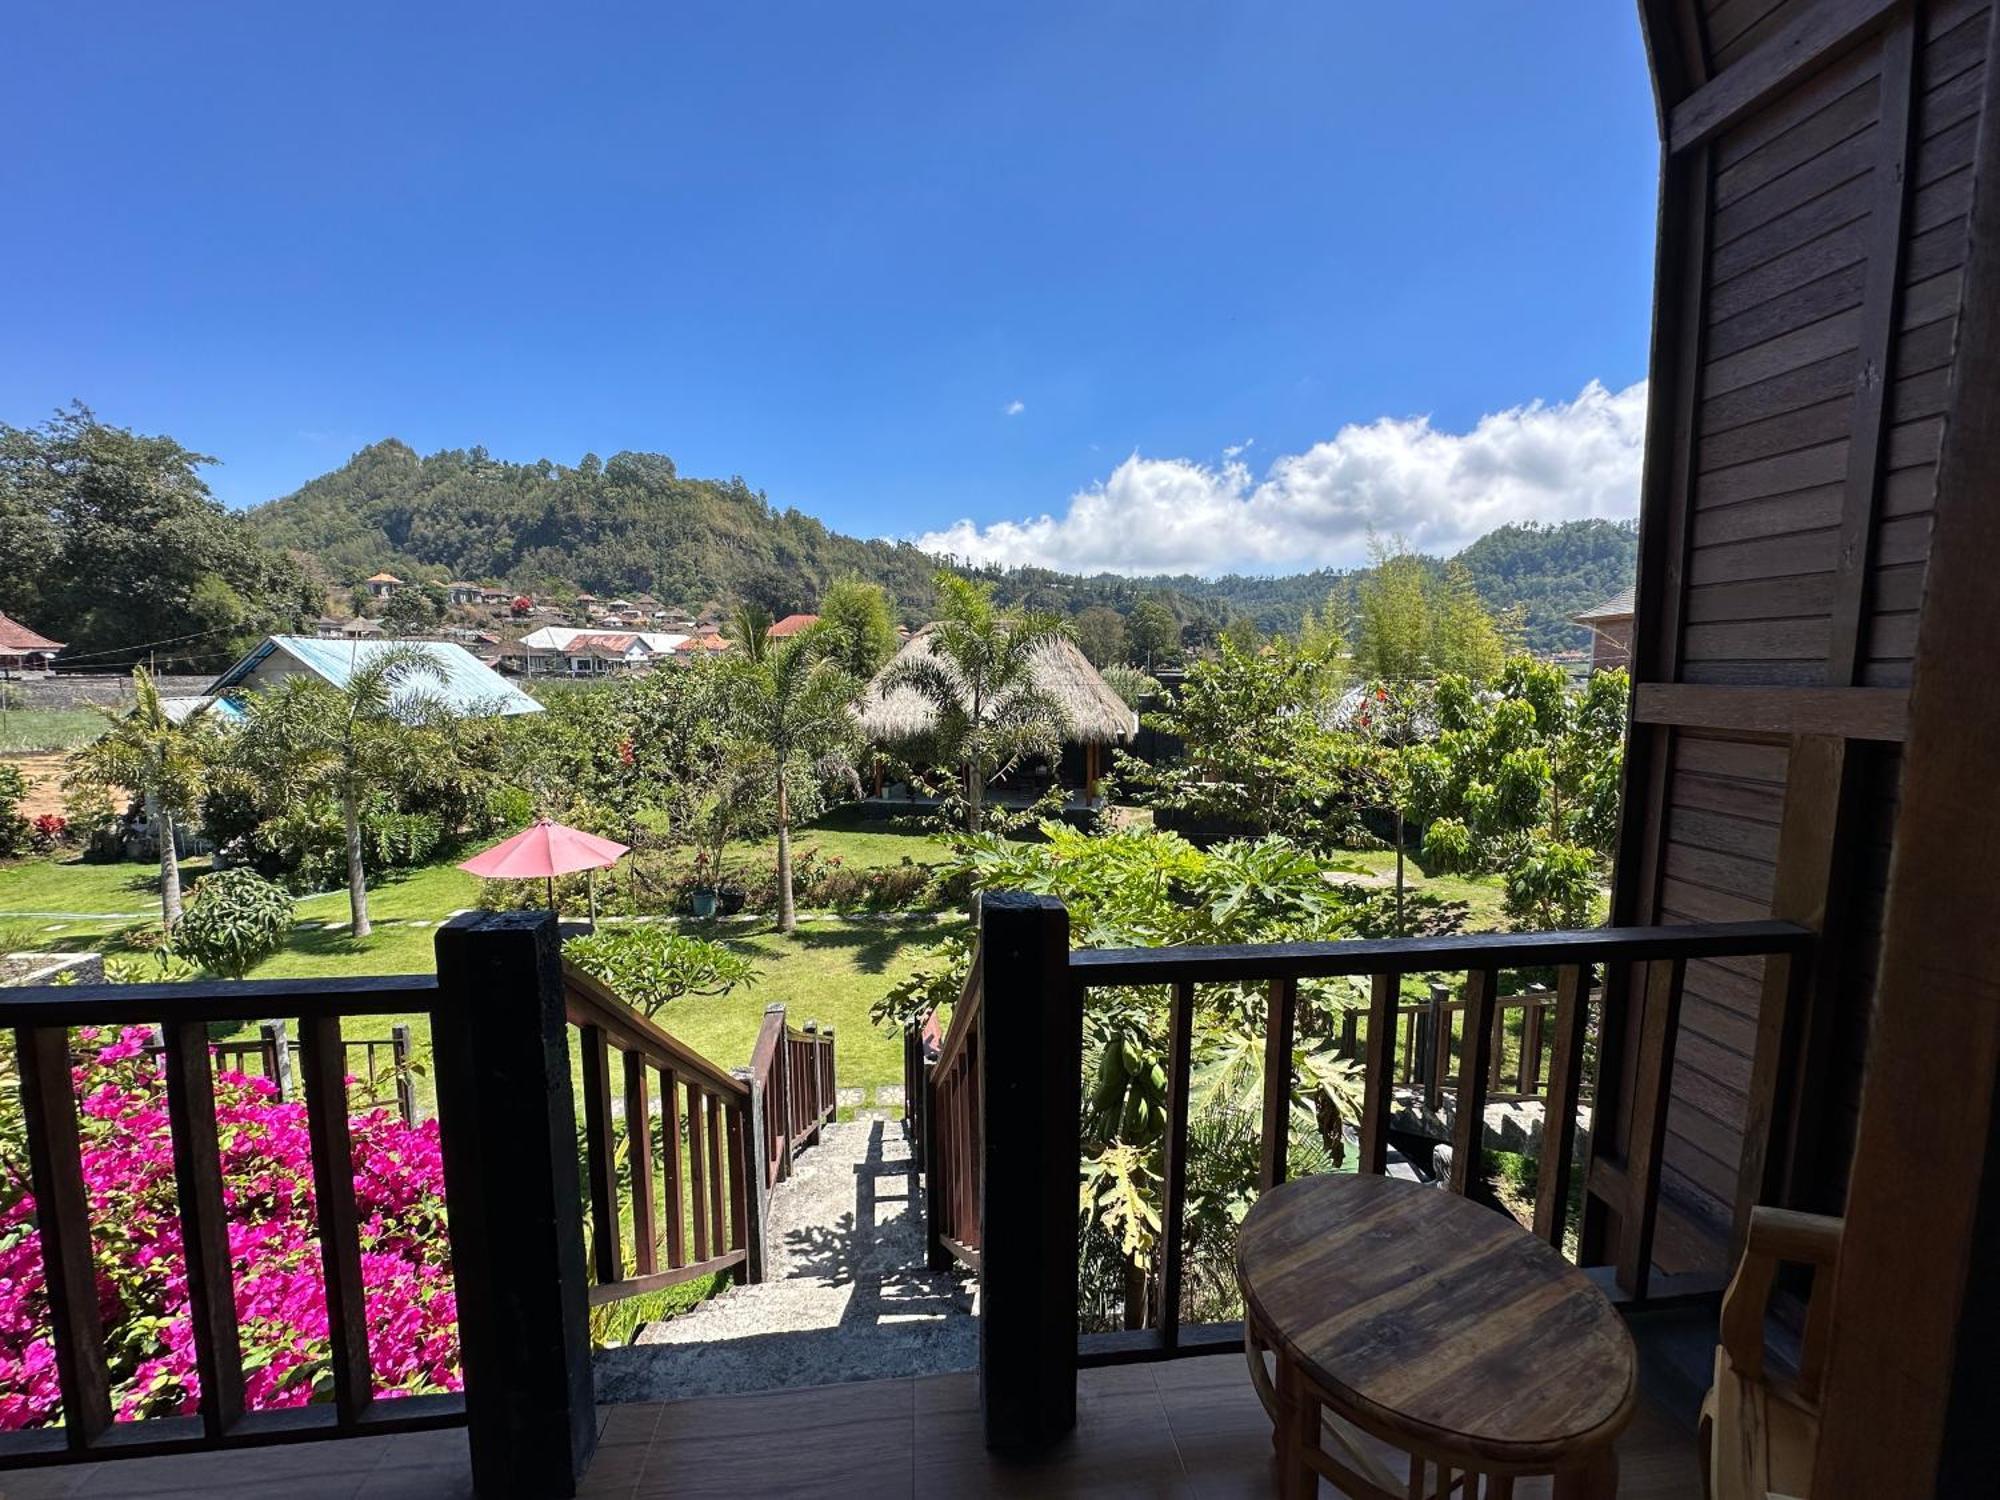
(694, 1201)
(953, 1140)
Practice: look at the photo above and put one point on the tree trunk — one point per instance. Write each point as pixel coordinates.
(357, 880)
(975, 797)
(788, 917)
(170, 874)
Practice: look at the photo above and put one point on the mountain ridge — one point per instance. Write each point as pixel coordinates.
(634, 524)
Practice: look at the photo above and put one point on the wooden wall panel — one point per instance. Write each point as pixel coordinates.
(1793, 503)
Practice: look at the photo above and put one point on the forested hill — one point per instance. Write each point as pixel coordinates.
(633, 524)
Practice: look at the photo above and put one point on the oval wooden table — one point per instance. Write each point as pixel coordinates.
(1436, 1326)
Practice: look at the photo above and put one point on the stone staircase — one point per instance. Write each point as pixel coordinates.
(846, 1294)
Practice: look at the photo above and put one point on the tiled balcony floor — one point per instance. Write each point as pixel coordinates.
(1192, 1428)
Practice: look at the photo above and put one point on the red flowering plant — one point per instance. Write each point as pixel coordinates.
(127, 1157)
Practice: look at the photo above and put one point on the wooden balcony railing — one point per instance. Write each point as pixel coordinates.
(275, 1055)
(501, 1012)
(1026, 1039)
(41, 1021)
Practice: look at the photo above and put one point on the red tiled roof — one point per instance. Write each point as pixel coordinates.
(16, 638)
(792, 625)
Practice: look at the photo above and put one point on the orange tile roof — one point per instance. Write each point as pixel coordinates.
(16, 638)
(792, 625)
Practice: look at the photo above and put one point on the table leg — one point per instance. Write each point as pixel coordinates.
(1297, 1433)
(1595, 1479)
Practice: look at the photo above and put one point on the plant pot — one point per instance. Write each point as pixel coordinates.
(732, 898)
(703, 903)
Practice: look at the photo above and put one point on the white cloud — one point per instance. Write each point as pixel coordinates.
(1015, 408)
(1393, 476)
(1237, 450)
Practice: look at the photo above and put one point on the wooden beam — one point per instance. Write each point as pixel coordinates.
(1559, 1114)
(1914, 1288)
(1377, 1086)
(1275, 1144)
(1855, 713)
(1180, 1065)
(1799, 993)
(1881, 310)
(1659, 1036)
(1820, 33)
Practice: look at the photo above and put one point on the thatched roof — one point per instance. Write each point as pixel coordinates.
(1096, 714)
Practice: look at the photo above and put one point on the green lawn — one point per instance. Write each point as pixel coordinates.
(1484, 895)
(24, 731)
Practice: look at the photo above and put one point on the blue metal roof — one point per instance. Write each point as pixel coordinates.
(468, 685)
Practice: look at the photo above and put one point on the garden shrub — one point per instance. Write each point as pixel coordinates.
(127, 1156)
(234, 920)
(13, 827)
(649, 965)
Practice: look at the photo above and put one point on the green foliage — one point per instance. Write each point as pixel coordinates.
(110, 540)
(650, 966)
(1413, 621)
(859, 624)
(1522, 781)
(1130, 683)
(13, 827)
(235, 919)
(1259, 756)
(413, 609)
(934, 985)
(1100, 635)
(1153, 635)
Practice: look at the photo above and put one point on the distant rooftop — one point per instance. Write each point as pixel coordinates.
(1617, 607)
(467, 686)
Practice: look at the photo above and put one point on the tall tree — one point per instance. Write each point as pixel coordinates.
(980, 681)
(144, 751)
(315, 739)
(860, 630)
(1100, 635)
(1154, 633)
(110, 540)
(1393, 617)
(792, 701)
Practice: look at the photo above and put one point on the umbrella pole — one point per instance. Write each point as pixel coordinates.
(590, 889)
(552, 897)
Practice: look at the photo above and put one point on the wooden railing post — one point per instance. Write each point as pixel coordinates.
(278, 1050)
(406, 1086)
(508, 1119)
(781, 1088)
(755, 1189)
(1030, 1039)
(937, 1173)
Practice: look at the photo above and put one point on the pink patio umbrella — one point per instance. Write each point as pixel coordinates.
(544, 850)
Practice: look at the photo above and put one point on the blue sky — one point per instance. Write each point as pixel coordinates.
(900, 265)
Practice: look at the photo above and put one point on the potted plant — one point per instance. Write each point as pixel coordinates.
(706, 893)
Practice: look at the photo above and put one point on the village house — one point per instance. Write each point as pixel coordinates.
(791, 625)
(463, 593)
(571, 651)
(24, 651)
(1610, 626)
(463, 683)
(382, 585)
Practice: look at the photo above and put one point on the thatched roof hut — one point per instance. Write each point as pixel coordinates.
(1096, 714)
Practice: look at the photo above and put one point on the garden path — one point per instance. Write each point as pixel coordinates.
(846, 1296)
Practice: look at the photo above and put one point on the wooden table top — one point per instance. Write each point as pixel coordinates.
(1437, 1318)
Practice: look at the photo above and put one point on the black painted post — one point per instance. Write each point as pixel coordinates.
(1031, 1094)
(514, 1202)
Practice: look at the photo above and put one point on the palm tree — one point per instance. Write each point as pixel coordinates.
(167, 763)
(310, 737)
(790, 699)
(978, 678)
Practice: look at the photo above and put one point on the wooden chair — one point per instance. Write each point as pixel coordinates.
(1759, 1431)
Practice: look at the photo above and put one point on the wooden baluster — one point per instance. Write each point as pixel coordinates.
(600, 1162)
(718, 1226)
(1440, 1012)
(738, 1204)
(204, 1225)
(1180, 1049)
(1349, 1019)
(639, 1158)
(323, 1060)
(1497, 1079)
(1552, 1177)
(937, 1167)
(1277, 1083)
(697, 1171)
(1529, 1075)
(671, 1144)
(62, 1222)
(1377, 1081)
(1660, 1031)
(1475, 1064)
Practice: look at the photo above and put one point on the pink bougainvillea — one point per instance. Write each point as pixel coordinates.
(128, 1171)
